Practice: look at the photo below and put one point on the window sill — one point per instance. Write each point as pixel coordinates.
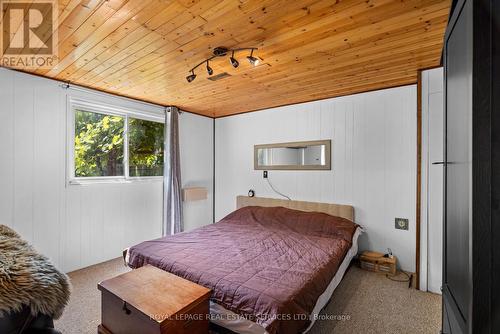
(104, 180)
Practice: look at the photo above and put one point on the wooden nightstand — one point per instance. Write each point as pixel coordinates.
(149, 300)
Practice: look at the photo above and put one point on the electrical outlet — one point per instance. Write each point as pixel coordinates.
(401, 223)
(265, 174)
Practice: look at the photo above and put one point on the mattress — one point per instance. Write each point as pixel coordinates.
(269, 266)
(230, 320)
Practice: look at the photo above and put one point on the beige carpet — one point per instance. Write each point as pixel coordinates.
(363, 303)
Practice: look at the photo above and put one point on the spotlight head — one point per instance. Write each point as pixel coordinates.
(191, 77)
(253, 60)
(210, 71)
(233, 61)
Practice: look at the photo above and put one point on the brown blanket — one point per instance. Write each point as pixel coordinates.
(269, 265)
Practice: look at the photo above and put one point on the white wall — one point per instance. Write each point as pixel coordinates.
(77, 225)
(431, 237)
(373, 168)
(373, 161)
(196, 139)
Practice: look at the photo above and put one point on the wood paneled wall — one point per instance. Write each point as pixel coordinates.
(75, 225)
(373, 161)
(196, 138)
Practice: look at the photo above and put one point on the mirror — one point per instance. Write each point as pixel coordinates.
(305, 155)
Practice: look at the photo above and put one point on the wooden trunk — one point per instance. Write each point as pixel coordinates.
(151, 301)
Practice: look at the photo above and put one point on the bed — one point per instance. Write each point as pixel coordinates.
(272, 264)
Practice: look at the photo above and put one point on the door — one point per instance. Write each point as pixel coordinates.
(435, 187)
(458, 173)
(471, 266)
(431, 233)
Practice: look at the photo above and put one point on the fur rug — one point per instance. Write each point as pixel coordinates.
(28, 278)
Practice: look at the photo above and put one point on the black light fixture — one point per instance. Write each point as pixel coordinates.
(253, 60)
(222, 52)
(209, 69)
(233, 61)
(191, 77)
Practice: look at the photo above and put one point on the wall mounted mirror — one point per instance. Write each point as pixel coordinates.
(304, 155)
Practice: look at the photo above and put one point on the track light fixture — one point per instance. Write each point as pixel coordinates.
(191, 77)
(209, 69)
(222, 52)
(253, 60)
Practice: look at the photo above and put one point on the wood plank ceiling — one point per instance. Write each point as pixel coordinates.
(309, 49)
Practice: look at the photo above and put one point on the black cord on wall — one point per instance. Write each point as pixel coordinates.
(276, 190)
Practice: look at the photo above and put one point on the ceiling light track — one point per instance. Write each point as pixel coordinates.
(222, 52)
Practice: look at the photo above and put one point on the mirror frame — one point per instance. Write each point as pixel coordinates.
(328, 153)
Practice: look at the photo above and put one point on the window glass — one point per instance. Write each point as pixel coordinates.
(98, 144)
(145, 140)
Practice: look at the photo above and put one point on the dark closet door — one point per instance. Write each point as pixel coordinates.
(471, 256)
(458, 177)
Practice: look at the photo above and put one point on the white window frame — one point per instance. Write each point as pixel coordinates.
(104, 109)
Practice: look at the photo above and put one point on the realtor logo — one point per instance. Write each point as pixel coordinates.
(29, 38)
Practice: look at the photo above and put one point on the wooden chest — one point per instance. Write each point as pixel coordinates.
(149, 300)
(375, 261)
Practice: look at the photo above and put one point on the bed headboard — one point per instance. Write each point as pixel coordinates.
(338, 210)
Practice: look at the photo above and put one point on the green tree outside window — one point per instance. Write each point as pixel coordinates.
(99, 146)
(145, 148)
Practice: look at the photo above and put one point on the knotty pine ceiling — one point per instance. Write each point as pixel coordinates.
(309, 50)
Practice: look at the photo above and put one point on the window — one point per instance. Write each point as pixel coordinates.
(98, 144)
(145, 145)
(110, 144)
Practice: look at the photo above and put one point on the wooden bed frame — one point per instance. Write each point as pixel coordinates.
(339, 210)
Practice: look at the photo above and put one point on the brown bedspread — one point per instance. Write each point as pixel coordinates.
(269, 265)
